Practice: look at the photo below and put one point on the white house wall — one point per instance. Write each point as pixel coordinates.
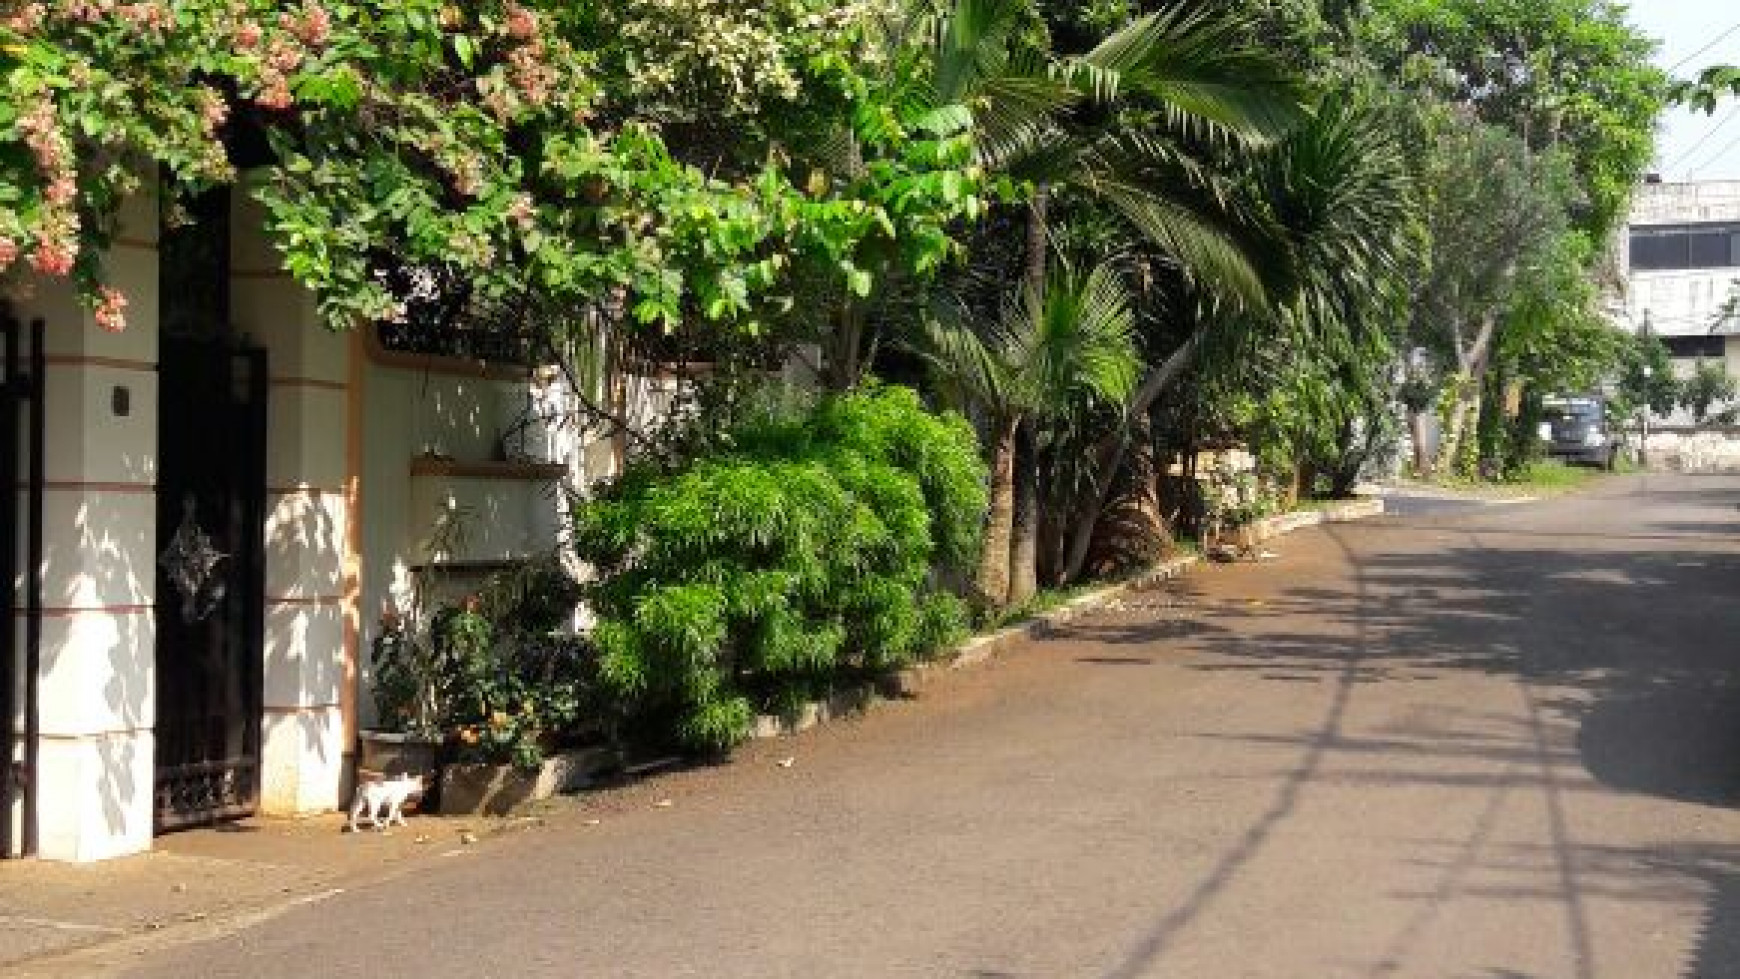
(1681, 302)
(94, 780)
(459, 412)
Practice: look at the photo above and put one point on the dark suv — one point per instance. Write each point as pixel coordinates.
(1575, 430)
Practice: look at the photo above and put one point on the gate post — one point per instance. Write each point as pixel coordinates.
(308, 668)
(92, 783)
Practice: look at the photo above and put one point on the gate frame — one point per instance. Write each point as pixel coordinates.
(21, 391)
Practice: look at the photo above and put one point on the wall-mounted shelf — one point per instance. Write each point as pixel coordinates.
(541, 472)
(466, 567)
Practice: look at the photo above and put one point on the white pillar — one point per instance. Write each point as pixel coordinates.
(94, 778)
(310, 597)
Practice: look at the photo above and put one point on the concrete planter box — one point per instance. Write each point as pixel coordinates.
(386, 754)
(389, 754)
(1285, 523)
(813, 713)
(496, 790)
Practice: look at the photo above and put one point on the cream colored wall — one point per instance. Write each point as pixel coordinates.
(94, 781)
(307, 669)
(456, 413)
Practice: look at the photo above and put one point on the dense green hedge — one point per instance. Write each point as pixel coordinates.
(802, 551)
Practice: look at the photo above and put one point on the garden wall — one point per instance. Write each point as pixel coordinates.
(1708, 450)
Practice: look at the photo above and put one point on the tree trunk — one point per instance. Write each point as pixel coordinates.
(1109, 454)
(1038, 233)
(1473, 361)
(844, 352)
(1055, 500)
(1464, 424)
(1024, 545)
(1417, 432)
(994, 559)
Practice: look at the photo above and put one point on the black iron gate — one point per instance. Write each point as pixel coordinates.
(211, 491)
(21, 474)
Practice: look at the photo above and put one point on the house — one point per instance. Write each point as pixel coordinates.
(230, 495)
(1680, 260)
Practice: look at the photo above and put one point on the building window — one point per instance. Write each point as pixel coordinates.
(1681, 247)
(1695, 346)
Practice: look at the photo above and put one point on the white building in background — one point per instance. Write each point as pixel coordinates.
(1680, 260)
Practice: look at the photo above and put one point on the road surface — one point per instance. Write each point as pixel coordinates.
(1498, 741)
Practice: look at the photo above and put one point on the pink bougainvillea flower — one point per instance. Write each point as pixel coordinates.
(111, 307)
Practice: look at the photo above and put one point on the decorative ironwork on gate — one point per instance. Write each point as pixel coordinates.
(210, 581)
(191, 563)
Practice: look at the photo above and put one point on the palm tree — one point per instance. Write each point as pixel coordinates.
(1054, 347)
(1195, 79)
(1341, 204)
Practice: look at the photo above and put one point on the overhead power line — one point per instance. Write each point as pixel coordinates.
(1714, 157)
(1733, 111)
(1719, 38)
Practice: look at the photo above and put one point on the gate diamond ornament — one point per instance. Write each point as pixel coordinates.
(190, 560)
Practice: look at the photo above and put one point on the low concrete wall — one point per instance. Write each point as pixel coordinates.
(1699, 451)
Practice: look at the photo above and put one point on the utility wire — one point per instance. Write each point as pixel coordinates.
(1718, 40)
(1733, 111)
(1714, 157)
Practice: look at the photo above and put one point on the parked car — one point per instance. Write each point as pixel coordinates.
(1575, 430)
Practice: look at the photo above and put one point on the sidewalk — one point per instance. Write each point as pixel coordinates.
(209, 874)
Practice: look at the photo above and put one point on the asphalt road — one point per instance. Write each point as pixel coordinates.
(1495, 742)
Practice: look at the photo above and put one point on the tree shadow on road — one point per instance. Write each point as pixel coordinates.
(1622, 648)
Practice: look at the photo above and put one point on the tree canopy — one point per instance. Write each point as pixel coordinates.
(502, 143)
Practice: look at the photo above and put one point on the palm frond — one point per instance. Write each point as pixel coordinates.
(1201, 68)
(1342, 190)
(971, 41)
(1013, 113)
(1072, 340)
(1204, 250)
(975, 363)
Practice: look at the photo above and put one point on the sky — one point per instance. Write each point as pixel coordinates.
(1694, 34)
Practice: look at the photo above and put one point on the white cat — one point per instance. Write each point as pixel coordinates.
(387, 795)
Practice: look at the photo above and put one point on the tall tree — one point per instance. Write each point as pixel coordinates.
(1119, 125)
(1339, 203)
(1573, 74)
(1494, 209)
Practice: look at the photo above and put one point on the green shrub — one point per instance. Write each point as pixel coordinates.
(802, 549)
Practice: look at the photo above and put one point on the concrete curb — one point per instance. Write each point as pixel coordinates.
(983, 649)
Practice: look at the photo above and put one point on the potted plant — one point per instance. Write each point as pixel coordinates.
(516, 706)
(517, 695)
(1233, 501)
(407, 693)
(411, 671)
